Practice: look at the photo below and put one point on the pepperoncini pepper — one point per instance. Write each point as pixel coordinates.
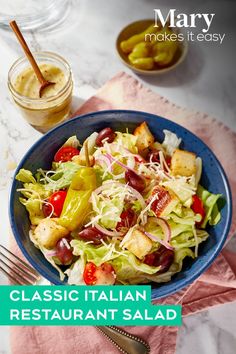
(76, 205)
(140, 56)
(157, 50)
(128, 45)
(164, 52)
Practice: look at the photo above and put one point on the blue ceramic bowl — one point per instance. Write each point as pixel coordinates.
(213, 178)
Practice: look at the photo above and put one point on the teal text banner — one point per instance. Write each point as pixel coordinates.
(84, 306)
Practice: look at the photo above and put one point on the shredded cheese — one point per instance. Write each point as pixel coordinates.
(143, 215)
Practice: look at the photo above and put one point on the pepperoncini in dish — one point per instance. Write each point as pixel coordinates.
(76, 205)
(128, 45)
(142, 63)
(163, 52)
(151, 48)
(140, 56)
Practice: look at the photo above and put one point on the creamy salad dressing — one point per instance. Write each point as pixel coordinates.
(27, 84)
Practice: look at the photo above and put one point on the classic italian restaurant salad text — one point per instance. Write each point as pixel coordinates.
(120, 209)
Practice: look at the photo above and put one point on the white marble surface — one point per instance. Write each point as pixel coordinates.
(205, 82)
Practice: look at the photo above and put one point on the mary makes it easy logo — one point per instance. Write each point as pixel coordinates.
(202, 22)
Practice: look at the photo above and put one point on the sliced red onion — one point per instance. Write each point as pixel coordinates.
(107, 232)
(109, 157)
(134, 155)
(120, 163)
(121, 175)
(105, 159)
(166, 231)
(125, 150)
(103, 187)
(164, 226)
(137, 195)
(155, 238)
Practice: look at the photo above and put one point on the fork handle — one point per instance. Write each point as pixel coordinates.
(125, 342)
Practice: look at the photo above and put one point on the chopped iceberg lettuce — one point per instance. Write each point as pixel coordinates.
(176, 228)
(187, 217)
(187, 239)
(108, 206)
(171, 142)
(126, 265)
(182, 189)
(34, 208)
(210, 200)
(127, 141)
(72, 141)
(60, 177)
(95, 254)
(25, 176)
(75, 272)
(34, 195)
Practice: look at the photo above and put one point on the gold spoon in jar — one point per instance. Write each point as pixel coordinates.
(43, 82)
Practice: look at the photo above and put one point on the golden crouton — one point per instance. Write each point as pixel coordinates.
(144, 137)
(48, 232)
(183, 163)
(138, 244)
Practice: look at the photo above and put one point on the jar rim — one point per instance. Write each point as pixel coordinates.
(39, 100)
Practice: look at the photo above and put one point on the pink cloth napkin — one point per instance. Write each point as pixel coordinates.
(216, 286)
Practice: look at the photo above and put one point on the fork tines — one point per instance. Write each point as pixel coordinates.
(16, 269)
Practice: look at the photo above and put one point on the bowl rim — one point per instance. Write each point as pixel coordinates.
(184, 44)
(182, 283)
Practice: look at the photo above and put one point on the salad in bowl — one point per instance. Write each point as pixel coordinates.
(121, 208)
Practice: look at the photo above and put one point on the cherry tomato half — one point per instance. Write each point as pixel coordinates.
(198, 208)
(56, 200)
(104, 274)
(89, 273)
(65, 153)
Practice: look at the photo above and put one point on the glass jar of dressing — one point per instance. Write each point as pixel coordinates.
(54, 105)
